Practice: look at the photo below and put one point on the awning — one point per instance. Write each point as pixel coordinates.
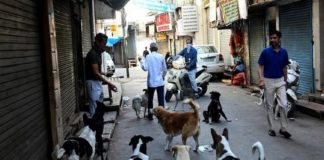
(115, 4)
(113, 40)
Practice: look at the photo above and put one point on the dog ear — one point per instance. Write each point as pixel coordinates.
(147, 139)
(225, 133)
(215, 136)
(174, 151)
(132, 141)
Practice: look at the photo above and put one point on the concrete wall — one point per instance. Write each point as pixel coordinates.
(318, 33)
(321, 13)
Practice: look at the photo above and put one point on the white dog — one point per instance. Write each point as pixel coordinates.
(181, 152)
(140, 101)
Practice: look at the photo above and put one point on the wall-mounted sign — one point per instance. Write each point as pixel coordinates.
(189, 18)
(161, 36)
(229, 10)
(184, 2)
(163, 22)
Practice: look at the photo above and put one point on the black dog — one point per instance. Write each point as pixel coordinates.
(138, 143)
(214, 109)
(96, 123)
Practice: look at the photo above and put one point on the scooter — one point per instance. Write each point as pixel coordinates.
(178, 82)
(293, 75)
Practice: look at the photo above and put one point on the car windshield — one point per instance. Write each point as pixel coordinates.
(205, 49)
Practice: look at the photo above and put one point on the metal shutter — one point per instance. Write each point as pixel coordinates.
(86, 31)
(24, 123)
(296, 27)
(224, 38)
(257, 43)
(67, 72)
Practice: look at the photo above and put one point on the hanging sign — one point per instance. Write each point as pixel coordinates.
(163, 22)
(229, 10)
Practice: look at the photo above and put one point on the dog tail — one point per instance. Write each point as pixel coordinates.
(258, 146)
(194, 105)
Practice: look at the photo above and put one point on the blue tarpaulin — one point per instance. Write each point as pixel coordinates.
(113, 40)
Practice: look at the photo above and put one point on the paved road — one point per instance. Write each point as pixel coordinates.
(249, 125)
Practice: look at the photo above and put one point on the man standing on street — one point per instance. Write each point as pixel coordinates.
(190, 55)
(272, 69)
(155, 65)
(93, 74)
(145, 52)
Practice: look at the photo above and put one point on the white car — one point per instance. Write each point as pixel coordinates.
(207, 55)
(108, 66)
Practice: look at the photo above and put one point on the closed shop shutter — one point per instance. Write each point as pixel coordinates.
(86, 31)
(257, 43)
(63, 27)
(24, 123)
(224, 36)
(295, 22)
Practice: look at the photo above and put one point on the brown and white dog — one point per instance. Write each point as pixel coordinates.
(175, 123)
(223, 150)
(181, 152)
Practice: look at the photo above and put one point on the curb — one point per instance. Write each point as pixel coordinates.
(110, 118)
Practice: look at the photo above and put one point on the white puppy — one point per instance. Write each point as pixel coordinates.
(181, 152)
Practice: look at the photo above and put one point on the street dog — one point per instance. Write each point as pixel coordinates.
(175, 123)
(215, 109)
(140, 101)
(181, 152)
(83, 146)
(223, 150)
(138, 143)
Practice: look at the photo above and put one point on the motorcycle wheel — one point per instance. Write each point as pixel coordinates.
(168, 96)
(203, 90)
(291, 107)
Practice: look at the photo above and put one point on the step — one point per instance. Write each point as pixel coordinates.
(318, 108)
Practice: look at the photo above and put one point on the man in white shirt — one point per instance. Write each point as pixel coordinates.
(155, 65)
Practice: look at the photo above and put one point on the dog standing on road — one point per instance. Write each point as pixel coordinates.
(175, 123)
(140, 101)
(215, 109)
(223, 150)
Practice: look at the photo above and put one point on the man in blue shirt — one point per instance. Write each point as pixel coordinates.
(272, 69)
(190, 55)
(155, 65)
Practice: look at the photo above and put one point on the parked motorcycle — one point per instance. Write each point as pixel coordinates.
(178, 82)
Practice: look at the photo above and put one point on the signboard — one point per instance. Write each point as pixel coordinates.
(154, 5)
(190, 18)
(229, 10)
(161, 37)
(184, 2)
(163, 22)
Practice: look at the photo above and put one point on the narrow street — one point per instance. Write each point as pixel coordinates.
(248, 126)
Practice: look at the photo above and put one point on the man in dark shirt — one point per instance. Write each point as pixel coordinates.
(93, 74)
(145, 52)
(272, 69)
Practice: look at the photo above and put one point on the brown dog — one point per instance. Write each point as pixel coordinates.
(175, 123)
